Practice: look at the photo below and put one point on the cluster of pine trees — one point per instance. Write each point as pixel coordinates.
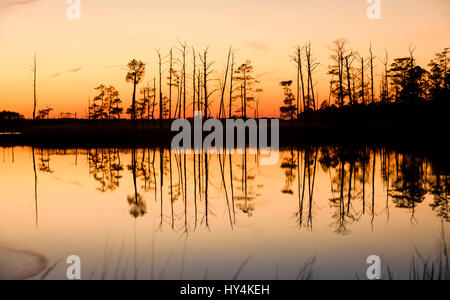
(106, 105)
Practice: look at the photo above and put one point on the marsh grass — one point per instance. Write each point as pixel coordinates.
(307, 271)
(426, 268)
(421, 267)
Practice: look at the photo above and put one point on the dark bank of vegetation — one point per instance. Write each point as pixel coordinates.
(10, 115)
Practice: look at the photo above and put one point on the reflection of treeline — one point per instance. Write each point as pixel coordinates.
(303, 165)
(407, 179)
(106, 167)
(354, 180)
(162, 174)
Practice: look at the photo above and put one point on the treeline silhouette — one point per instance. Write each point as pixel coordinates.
(352, 82)
(178, 89)
(408, 103)
(238, 83)
(9, 115)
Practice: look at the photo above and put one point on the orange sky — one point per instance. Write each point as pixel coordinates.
(75, 56)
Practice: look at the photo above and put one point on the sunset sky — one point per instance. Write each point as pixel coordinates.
(75, 56)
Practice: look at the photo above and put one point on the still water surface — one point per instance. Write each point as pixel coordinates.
(154, 214)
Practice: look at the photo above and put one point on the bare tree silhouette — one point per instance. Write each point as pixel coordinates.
(34, 69)
(224, 84)
(371, 62)
(339, 49)
(207, 71)
(297, 58)
(311, 65)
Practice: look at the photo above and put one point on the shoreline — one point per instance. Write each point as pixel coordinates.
(408, 125)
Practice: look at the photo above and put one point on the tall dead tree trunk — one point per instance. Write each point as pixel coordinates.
(180, 97)
(205, 78)
(339, 51)
(133, 104)
(372, 57)
(199, 91)
(148, 101)
(298, 60)
(348, 67)
(331, 90)
(245, 94)
(34, 87)
(300, 66)
(170, 82)
(386, 81)
(193, 84)
(222, 100)
(154, 98)
(300, 79)
(341, 80)
(183, 77)
(231, 86)
(308, 95)
(242, 101)
(311, 65)
(160, 87)
(348, 81)
(206, 72)
(363, 66)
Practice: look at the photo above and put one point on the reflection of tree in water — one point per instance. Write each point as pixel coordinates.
(440, 188)
(345, 165)
(178, 182)
(105, 166)
(289, 164)
(408, 188)
(354, 174)
(247, 191)
(405, 177)
(138, 207)
(145, 168)
(306, 164)
(354, 168)
(44, 162)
